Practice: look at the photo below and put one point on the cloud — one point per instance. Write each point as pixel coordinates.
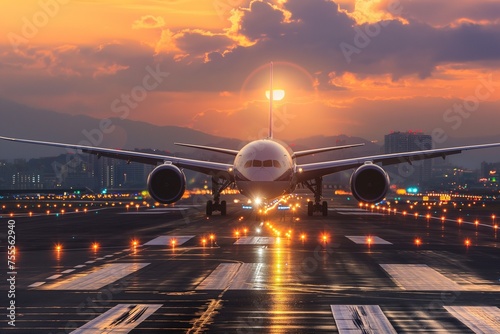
(149, 22)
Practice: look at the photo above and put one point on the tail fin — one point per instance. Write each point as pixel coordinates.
(271, 98)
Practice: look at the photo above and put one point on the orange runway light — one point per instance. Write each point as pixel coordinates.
(204, 242)
(95, 246)
(302, 237)
(173, 242)
(58, 248)
(476, 222)
(418, 241)
(467, 243)
(369, 240)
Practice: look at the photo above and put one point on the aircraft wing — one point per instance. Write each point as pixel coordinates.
(206, 167)
(313, 170)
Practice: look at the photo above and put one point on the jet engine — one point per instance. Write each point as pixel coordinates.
(369, 183)
(166, 184)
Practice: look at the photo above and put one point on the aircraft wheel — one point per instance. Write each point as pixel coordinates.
(324, 208)
(310, 208)
(209, 208)
(223, 206)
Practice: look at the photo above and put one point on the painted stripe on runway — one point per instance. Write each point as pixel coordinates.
(248, 277)
(36, 284)
(120, 319)
(363, 240)
(220, 278)
(79, 266)
(96, 278)
(361, 319)
(67, 271)
(165, 240)
(54, 276)
(480, 319)
(234, 276)
(355, 211)
(255, 241)
(420, 277)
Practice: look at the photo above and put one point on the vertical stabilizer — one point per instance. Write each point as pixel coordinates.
(271, 98)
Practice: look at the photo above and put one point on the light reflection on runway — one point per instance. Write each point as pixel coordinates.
(272, 281)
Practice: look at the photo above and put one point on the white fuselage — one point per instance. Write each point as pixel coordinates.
(264, 169)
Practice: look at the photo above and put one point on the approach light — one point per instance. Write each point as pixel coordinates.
(278, 94)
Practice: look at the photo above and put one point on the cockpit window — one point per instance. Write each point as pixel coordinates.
(260, 163)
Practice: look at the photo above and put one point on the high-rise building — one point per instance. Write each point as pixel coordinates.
(418, 173)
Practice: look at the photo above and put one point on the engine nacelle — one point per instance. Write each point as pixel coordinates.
(166, 184)
(369, 183)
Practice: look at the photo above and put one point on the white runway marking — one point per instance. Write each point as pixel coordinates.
(54, 276)
(67, 271)
(355, 211)
(89, 262)
(36, 284)
(256, 241)
(165, 240)
(96, 278)
(234, 276)
(120, 319)
(79, 266)
(420, 277)
(363, 240)
(480, 319)
(361, 319)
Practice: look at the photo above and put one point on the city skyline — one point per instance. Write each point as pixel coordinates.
(361, 68)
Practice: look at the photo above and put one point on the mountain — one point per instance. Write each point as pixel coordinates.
(22, 121)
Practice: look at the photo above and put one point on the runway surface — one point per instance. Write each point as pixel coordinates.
(355, 271)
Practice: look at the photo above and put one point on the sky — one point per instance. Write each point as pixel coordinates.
(355, 67)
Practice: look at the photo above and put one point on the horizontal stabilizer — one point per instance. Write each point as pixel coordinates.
(325, 149)
(210, 148)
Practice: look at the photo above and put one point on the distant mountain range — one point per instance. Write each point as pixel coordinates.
(22, 121)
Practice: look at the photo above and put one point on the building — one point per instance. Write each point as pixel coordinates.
(418, 173)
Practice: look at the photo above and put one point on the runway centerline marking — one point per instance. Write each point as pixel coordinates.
(165, 240)
(480, 319)
(95, 278)
(354, 319)
(420, 277)
(363, 240)
(120, 319)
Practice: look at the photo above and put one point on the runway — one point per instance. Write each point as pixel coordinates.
(355, 271)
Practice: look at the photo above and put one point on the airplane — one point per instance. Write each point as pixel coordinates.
(265, 169)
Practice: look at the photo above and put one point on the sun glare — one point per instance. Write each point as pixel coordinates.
(278, 94)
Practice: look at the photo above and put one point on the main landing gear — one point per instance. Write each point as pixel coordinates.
(316, 187)
(218, 185)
